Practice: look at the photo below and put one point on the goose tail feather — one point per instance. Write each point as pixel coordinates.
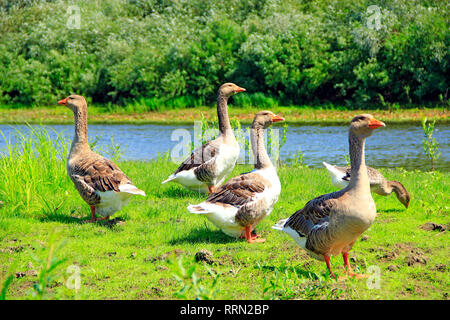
(129, 188)
(197, 209)
(332, 170)
(172, 177)
(279, 225)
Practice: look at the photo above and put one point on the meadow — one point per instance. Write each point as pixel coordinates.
(160, 61)
(154, 249)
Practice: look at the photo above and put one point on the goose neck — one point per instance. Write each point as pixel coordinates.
(360, 178)
(222, 114)
(80, 142)
(262, 159)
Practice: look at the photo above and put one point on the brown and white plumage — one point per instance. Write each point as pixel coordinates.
(340, 177)
(241, 203)
(98, 180)
(331, 223)
(209, 165)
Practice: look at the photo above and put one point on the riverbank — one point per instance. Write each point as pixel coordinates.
(293, 115)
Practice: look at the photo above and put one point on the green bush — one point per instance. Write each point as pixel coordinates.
(170, 54)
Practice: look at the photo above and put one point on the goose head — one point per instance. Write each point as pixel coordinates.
(229, 89)
(404, 198)
(74, 102)
(363, 125)
(264, 119)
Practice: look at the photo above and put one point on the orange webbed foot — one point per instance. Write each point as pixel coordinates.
(252, 237)
(257, 240)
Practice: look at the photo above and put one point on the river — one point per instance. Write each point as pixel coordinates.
(392, 146)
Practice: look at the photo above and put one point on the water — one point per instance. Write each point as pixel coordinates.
(392, 146)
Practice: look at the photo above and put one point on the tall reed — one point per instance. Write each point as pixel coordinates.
(32, 170)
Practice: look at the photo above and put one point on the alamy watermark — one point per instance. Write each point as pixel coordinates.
(188, 143)
(73, 282)
(374, 17)
(374, 279)
(74, 17)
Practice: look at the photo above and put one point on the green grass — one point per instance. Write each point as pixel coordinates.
(139, 114)
(40, 222)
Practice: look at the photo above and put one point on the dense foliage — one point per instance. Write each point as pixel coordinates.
(178, 52)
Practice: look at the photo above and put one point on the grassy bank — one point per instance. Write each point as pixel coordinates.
(134, 256)
(293, 115)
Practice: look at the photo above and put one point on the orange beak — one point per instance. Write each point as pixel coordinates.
(374, 124)
(277, 118)
(239, 89)
(63, 101)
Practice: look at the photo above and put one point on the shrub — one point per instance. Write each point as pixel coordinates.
(293, 52)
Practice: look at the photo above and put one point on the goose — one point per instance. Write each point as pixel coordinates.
(99, 181)
(340, 176)
(209, 165)
(331, 223)
(243, 201)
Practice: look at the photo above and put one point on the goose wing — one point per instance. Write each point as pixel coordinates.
(239, 191)
(97, 174)
(315, 213)
(202, 159)
(246, 193)
(100, 174)
(375, 176)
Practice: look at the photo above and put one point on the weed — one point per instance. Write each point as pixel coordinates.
(430, 145)
(46, 258)
(190, 281)
(298, 160)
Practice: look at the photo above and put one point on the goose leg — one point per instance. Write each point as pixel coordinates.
(252, 237)
(348, 268)
(93, 217)
(254, 234)
(327, 261)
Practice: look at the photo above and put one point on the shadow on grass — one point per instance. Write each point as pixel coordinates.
(204, 236)
(398, 210)
(56, 217)
(177, 192)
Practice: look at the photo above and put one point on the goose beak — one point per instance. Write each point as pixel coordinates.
(374, 124)
(277, 118)
(63, 101)
(239, 89)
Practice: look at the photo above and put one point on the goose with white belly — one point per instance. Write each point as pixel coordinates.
(210, 164)
(340, 177)
(330, 224)
(241, 203)
(99, 181)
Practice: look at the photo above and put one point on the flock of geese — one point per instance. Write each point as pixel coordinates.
(327, 225)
